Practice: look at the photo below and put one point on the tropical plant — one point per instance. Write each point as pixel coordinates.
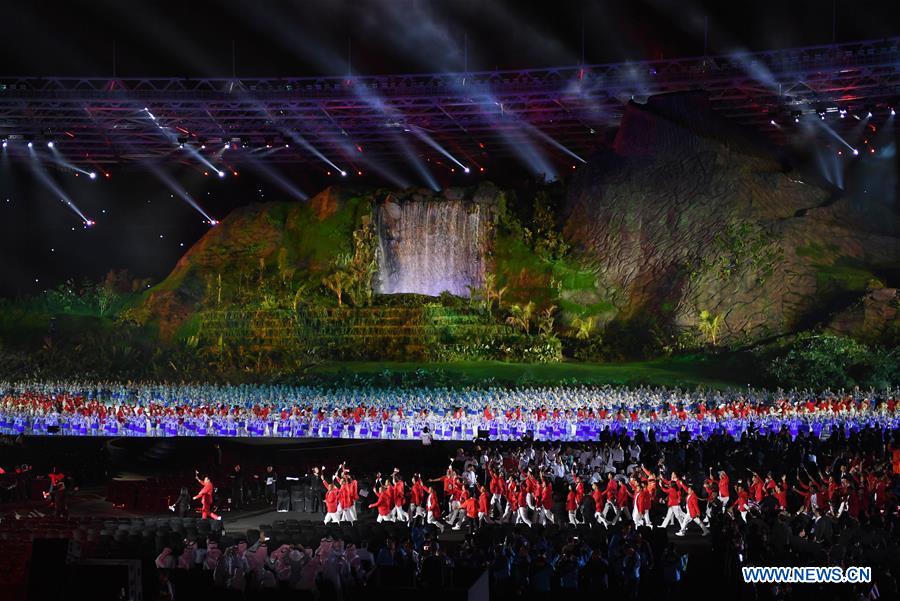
(298, 296)
(337, 282)
(520, 316)
(709, 325)
(285, 270)
(583, 327)
(545, 321)
(362, 264)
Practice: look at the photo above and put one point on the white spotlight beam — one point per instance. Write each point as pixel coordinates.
(182, 194)
(45, 178)
(422, 135)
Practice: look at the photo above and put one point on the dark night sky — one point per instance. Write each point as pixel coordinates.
(193, 38)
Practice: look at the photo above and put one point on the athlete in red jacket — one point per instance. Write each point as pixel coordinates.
(693, 513)
(332, 501)
(399, 500)
(640, 514)
(384, 504)
(497, 488)
(724, 489)
(433, 510)
(673, 501)
(206, 497)
(572, 505)
(484, 505)
(547, 500)
(522, 503)
(417, 496)
(611, 494)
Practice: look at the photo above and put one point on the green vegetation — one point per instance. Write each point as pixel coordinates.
(819, 361)
(688, 372)
(741, 247)
(284, 292)
(709, 325)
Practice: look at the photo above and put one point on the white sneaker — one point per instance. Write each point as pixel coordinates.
(456, 527)
(679, 533)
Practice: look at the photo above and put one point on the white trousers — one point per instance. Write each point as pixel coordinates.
(522, 516)
(334, 516)
(673, 516)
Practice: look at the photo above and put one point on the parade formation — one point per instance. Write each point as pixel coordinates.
(550, 413)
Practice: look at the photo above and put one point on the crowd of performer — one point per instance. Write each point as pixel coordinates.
(763, 499)
(603, 484)
(546, 413)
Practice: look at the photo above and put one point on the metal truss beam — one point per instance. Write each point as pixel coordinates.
(101, 120)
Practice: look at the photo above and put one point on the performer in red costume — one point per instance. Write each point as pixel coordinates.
(332, 499)
(547, 500)
(673, 501)
(206, 497)
(385, 504)
(642, 500)
(433, 514)
(571, 505)
(399, 497)
(693, 511)
(484, 506)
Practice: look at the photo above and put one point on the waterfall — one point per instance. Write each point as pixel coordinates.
(430, 246)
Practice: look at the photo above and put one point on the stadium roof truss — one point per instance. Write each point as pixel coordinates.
(115, 120)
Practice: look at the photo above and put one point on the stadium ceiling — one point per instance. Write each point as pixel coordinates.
(120, 120)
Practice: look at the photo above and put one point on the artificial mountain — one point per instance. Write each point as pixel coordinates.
(681, 215)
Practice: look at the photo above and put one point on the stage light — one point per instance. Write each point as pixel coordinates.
(213, 222)
(287, 145)
(31, 145)
(49, 144)
(869, 115)
(343, 174)
(203, 147)
(221, 174)
(92, 175)
(5, 143)
(855, 152)
(465, 169)
(89, 223)
(359, 173)
(481, 169)
(893, 112)
(772, 121)
(234, 173)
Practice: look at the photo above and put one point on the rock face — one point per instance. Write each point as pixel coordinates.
(684, 216)
(875, 318)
